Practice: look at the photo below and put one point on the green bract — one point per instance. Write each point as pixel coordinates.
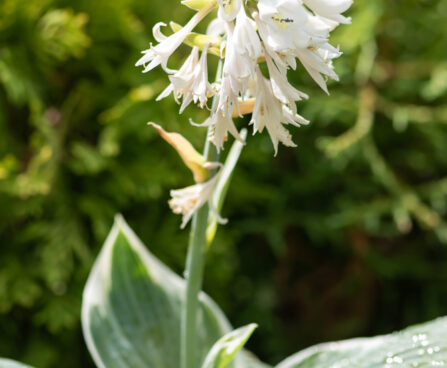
(224, 350)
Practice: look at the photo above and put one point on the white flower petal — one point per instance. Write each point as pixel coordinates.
(190, 82)
(188, 200)
(228, 9)
(216, 27)
(157, 32)
(271, 114)
(290, 31)
(281, 87)
(241, 52)
(221, 125)
(330, 9)
(245, 38)
(160, 54)
(285, 21)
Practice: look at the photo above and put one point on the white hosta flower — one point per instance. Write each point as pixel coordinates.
(160, 54)
(271, 114)
(242, 50)
(237, 66)
(221, 125)
(190, 81)
(320, 25)
(318, 63)
(280, 21)
(281, 87)
(184, 73)
(245, 39)
(330, 9)
(216, 27)
(188, 200)
(226, 98)
(228, 9)
(288, 26)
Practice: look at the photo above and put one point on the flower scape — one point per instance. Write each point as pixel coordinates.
(257, 43)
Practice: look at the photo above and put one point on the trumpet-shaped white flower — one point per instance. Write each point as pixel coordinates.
(237, 67)
(290, 30)
(242, 50)
(245, 39)
(318, 63)
(228, 9)
(183, 74)
(221, 124)
(330, 9)
(188, 200)
(160, 54)
(226, 98)
(190, 81)
(271, 114)
(287, 25)
(216, 27)
(281, 87)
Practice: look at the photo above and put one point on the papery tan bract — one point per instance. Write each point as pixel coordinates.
(192, 159)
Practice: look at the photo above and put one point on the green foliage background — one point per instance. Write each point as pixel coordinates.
(344, 236)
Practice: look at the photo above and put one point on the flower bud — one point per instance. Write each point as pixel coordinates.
(197, 4)
(200, 40)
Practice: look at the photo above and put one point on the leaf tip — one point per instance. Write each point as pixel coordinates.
(119, 220)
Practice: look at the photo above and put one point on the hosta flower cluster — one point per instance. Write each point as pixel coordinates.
(279, 33)
(257, 41)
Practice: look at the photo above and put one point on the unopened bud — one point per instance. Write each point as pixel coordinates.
(198, 4)
(200, 40)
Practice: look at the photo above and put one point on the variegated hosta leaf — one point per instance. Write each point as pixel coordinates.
(7, 363)
(419, 346)
(132, 306)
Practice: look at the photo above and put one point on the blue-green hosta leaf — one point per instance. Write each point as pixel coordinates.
(7, 363)
(132, 306)
(419, 346)
(225, 349)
